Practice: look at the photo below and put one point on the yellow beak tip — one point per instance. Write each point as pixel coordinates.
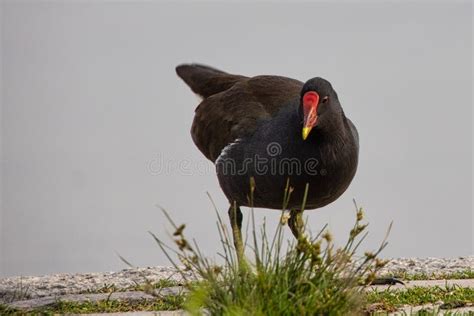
(305, 132)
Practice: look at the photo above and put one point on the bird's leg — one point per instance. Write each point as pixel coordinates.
(296, 224)
(235, 216)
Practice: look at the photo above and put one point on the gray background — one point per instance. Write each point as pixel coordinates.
(95, 123)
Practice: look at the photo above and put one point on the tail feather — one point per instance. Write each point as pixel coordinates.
(205, 80)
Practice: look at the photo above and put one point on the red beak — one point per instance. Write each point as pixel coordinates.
(310, 111)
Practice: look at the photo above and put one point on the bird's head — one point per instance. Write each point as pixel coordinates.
(318, 99)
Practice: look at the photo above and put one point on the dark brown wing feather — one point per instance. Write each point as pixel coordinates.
(237, 105)
(206, 81)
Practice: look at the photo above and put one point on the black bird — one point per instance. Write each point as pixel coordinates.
(272, 130)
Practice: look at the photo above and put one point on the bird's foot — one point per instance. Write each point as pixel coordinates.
(386, 281)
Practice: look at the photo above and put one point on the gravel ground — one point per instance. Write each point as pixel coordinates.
(429, 266)
(27, 287)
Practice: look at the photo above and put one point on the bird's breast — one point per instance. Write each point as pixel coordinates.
(326, 168)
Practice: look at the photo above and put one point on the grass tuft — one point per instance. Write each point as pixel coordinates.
(311, 277)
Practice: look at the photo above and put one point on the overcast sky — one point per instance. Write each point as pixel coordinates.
(95, 123)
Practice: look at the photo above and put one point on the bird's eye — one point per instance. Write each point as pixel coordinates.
(325, 99)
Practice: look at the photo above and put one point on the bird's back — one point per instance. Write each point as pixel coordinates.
(233, 105)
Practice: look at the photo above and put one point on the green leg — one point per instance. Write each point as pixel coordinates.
(296, 224)
(235, 216)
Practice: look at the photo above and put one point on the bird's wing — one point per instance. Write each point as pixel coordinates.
(235, 106)
(206, 81)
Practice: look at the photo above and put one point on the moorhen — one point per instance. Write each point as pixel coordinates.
(271, 131)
